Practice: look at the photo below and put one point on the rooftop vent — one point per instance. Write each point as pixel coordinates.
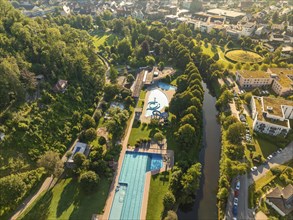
(269, 108)
(273, 75)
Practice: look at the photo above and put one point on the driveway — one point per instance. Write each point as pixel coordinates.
(281, 158)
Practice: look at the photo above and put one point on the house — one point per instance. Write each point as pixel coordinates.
(78, 148)
(281, 199)
(252, 79)
(282, 80)
(65, 10)
(60, 86)
(271, 115)
(287, 51)
(245, 5)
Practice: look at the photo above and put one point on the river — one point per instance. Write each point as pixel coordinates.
(205, 204)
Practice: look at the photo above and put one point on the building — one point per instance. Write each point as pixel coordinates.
(281, 200)
(248, 29)
(231, 16)
(271, 115)
(60, 86)
(78, 148)
(252, 79)
(282, 80)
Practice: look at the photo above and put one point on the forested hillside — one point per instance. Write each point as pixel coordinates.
(33, 118)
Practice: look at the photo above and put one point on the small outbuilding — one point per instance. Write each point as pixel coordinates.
(60, 86)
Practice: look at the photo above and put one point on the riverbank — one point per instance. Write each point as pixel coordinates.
(205, 206)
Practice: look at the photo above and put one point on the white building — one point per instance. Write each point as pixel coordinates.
(271, 115)
(78, 148)
(252, 79)
(247, 29)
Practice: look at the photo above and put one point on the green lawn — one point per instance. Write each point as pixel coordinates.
(158, 188)
(244, 56)
(99, 40)
(66, 201)
(139, 131)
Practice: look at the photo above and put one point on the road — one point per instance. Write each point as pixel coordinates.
(281, 158)
(246, 180)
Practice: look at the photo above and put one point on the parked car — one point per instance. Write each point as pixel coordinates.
(237, 185)
(269, 157)
(279, 151)
(236, 193)
(234, 210)
(253, 169)
(235, 201)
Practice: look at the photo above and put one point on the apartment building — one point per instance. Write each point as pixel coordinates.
(271, 115)
(252, 79)
(282, 80)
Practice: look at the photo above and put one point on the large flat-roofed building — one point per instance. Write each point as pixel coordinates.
(282, 80)
(231, 16)
(271, 115)
(252, 79)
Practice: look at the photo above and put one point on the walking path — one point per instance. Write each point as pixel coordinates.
(47, 184)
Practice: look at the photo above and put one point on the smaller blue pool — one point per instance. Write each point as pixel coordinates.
(166, 86)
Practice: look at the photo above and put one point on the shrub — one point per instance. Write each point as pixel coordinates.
(102, 140)
(169, 201)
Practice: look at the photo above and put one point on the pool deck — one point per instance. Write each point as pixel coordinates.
(164, 152)
(169, 94)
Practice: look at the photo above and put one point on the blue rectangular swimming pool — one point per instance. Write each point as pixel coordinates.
(129, 192)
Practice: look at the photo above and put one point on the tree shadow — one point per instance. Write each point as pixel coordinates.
(164, 177)
(40, 210)
(67, 195)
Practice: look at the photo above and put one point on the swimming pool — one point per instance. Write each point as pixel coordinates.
(156, 95)
(129, 192)
(166, 86)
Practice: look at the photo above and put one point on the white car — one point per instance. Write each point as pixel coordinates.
(269, 157)
(253, 169)
(237, 185)
(235, 201)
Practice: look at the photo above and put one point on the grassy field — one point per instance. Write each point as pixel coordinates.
(158, 188)
(66, 201)
(243, 56)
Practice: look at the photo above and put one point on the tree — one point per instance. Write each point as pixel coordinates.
(52, 163)
(124, 49)
(222, 194)
(171, 215)
(190, 183)
(236, 132)
(159, 137)
(79, 159)
(113, 74)
(130, 78)
(169, 201)
(231, 119)
(186, 135)
(248, 97)
(87, 122)
(90, 135)
(12, 187)
(89, 181)
(175, 181)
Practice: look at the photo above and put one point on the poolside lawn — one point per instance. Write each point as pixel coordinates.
(158, 188)
(139, 131)
(66, 201)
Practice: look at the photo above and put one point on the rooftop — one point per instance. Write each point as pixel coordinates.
(276, 109)
(253, 74)
(282, 78)
(228, 13)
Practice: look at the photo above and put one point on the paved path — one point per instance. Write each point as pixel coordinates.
(29, 200)
(281, 158)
